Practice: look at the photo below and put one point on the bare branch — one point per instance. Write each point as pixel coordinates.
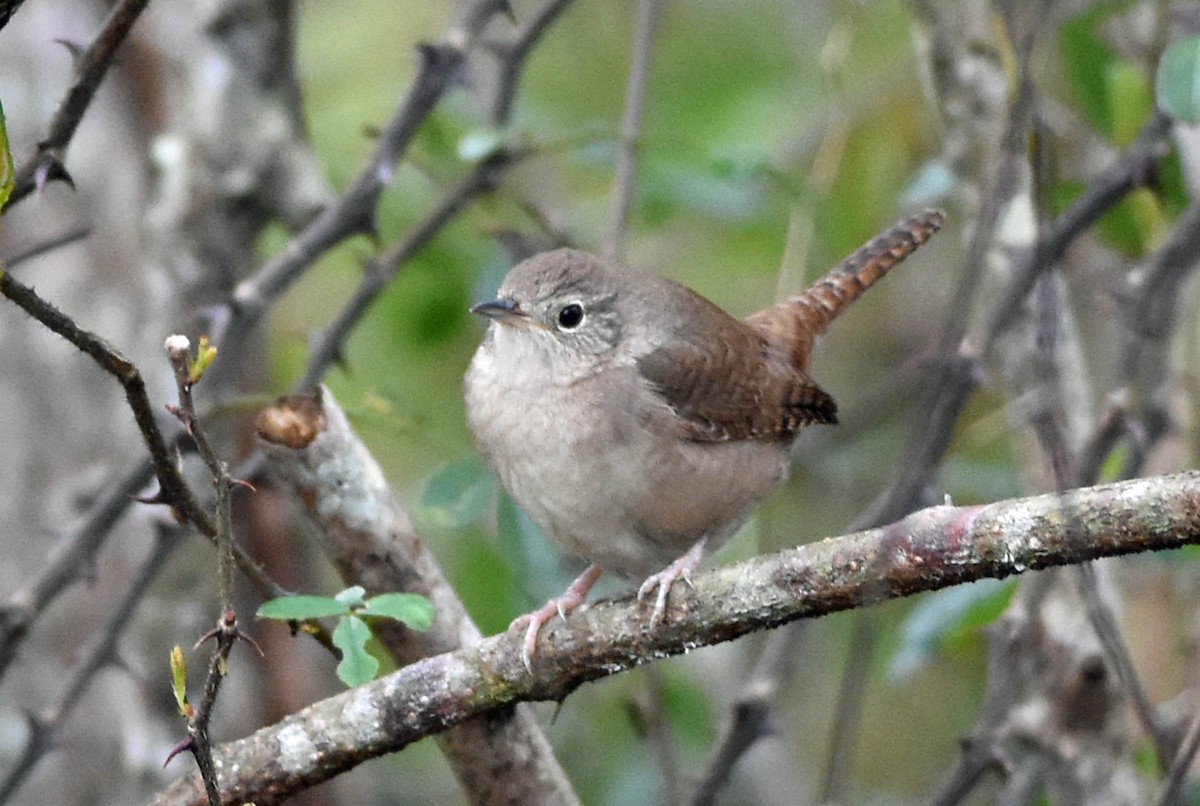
(91, 64)
(631, 124)
(101, 653)
(174, 490)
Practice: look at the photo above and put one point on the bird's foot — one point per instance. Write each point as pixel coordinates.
(561, 606)
(661, 582)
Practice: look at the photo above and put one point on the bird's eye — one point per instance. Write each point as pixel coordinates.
(570, 316)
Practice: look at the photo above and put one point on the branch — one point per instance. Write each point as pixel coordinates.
(174, 490)
(929, 550)
(354, 212)
(91, 64)
(44, 727)
(631, 124)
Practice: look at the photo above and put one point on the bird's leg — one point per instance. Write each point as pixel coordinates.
(664, 579)
(575, 595)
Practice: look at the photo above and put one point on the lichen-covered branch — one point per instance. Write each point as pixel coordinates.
(931, 549)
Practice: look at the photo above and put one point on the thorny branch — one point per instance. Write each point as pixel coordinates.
(91, 64)
(173, 489)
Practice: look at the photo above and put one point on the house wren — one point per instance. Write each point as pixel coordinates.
(636, 422)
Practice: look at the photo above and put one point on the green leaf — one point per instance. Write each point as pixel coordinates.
(938, 618)
(179, 682)
(1177, 84)
(416, 612)
(1089, 63)
(352, 596)
(1131, 99)
(8, 177)
(459, 493)
(357, 666)
(302, 608)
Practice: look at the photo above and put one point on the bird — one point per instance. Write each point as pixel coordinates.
(636, 422)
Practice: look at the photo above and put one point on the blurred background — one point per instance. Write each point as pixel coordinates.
(777, 137)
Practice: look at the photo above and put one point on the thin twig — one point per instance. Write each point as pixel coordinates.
(40, 248)
(847, 716)
(1169, 793)
(750, 715)
(188, 371)
(354, 212)
(186, 376)
(631, 124)
(91, 65)
(68, 563)
(513, 58)
(382, 269)
(174, 490)
(101, 654)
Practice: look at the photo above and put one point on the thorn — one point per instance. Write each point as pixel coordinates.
(50, 168)
(243, 483)
(74, 48)
(210, 635)
(186, 744)
(339, 360)
(158, 497)
(180, 414)
(244, 637)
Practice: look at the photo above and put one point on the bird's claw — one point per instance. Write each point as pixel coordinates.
(662, 581)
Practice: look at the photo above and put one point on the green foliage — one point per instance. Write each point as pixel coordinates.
(1112, 94)
(357, 665)
(302, 608)
(1177, 83)
(459, 493)
(352, 632)
(943, 619)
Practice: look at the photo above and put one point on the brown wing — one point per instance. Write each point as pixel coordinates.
(735, 388)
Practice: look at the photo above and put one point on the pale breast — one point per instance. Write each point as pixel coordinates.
(599, 465)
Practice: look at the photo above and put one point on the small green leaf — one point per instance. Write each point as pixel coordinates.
(301, 608)
(352, 596)
(205, 355)
(1177, 84)
(8, 177)
(357, 666)
(179, 682)
(414, 611)
(459, 493)
(1131, 99)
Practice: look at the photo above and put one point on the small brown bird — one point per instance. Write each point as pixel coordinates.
(636, 422)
